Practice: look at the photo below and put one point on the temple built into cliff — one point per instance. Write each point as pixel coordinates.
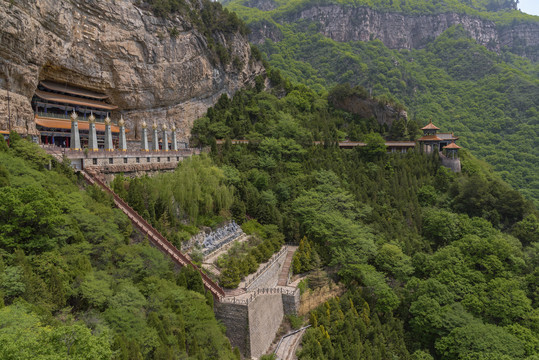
(54, 105)
(70, 120)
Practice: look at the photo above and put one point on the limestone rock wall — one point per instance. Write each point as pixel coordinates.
(121, 50)
(371, 108)
(406, 31)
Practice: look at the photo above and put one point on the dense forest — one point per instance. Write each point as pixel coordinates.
(77, 282)
(437, 257)
(436, 264)
(490, 100)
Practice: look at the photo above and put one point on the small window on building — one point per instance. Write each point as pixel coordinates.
(147, 159)
(138, 160)
(177, 158)
(111, 160)
(168, 158)
(125, 160)
(94, 161)
(158, 159)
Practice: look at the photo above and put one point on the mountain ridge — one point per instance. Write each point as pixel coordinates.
(397, 29)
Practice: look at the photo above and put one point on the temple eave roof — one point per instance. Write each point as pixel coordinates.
(65, 99)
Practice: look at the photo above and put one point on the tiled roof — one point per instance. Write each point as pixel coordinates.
(74, 100)
(66, 124)
(72, 90)
(429, 138)
(452, 146)
(430, 126)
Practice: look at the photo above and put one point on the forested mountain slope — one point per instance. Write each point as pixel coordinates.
(490, 99)
(76, 282)
(438, 265)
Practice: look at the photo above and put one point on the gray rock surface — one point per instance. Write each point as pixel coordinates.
(406, 31)
(115, 47)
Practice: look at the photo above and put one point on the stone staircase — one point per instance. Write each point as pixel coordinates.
(285, 271)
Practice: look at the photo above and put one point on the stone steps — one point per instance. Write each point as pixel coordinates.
(285, 271)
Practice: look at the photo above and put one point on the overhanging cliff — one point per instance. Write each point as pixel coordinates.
(155, 69)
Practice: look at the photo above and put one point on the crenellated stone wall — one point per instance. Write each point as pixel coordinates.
(265, 316)
(252, 319)
(235, 316)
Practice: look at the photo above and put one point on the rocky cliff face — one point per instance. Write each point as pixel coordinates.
(385, 114)
(405, 31)
(115, 47)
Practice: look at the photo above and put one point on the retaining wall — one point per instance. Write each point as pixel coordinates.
(265, 317)
(236, 319)
(291, 303)
(452, 164)
(253, 319)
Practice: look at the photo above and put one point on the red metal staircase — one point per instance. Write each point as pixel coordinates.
(156, 238)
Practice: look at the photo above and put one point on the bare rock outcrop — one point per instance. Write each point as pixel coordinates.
(154, 69)
(384, 113)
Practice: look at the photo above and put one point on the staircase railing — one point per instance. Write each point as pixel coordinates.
(155, 236)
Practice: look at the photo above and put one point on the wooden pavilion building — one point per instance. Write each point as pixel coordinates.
(55, 103)
(432, 140)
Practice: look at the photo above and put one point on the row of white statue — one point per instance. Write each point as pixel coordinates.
(92, 136)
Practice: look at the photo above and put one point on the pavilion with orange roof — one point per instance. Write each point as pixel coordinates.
(432, 140)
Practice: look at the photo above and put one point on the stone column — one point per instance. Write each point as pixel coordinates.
(174, 140)
(92, 134)
(165, 138)
(155, 144)
(108, 135)
(145, 146)
(123, 141)
(75, 137)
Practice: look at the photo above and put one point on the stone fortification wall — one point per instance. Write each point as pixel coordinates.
(453, 164)
(252, 319)
(265, 317)
(291, 302)
(268, 276)
(236, 319)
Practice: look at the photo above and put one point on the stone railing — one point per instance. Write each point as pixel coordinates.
(69, 153)
(246, 299)
(275, 257)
